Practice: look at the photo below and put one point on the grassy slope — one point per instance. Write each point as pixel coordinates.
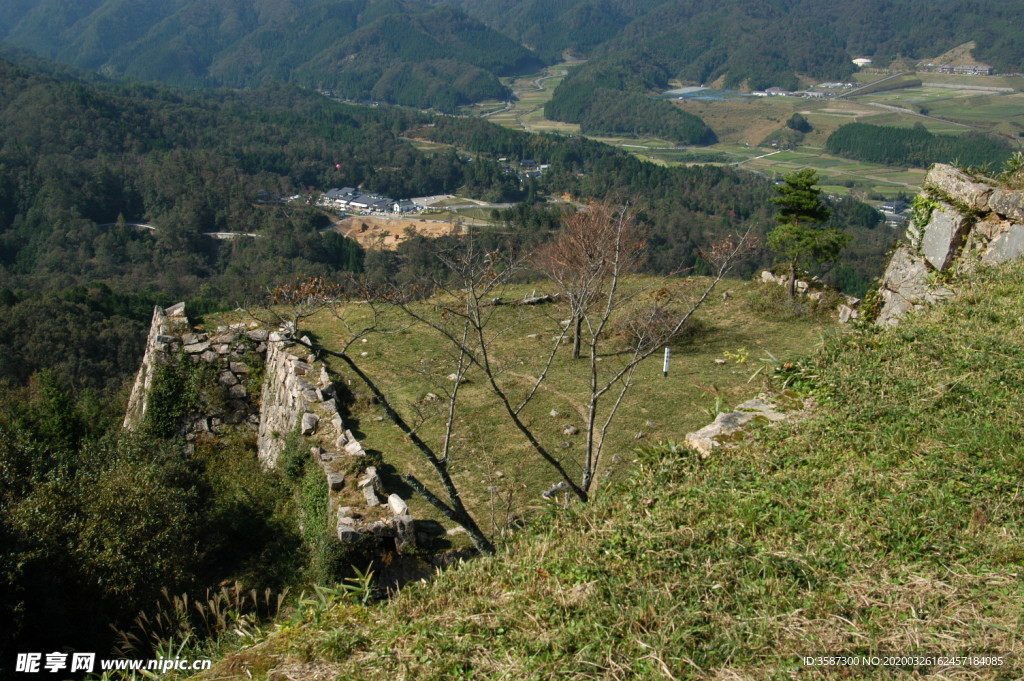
(415, 361)
(890, 521)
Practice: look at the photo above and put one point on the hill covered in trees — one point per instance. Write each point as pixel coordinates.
(915, 147)
(765, 43)
(402, 51)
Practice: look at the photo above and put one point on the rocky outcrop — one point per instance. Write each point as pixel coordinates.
(970, 221)
(732, 427)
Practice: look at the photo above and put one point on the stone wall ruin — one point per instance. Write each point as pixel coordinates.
(970, 221)
(295, 395)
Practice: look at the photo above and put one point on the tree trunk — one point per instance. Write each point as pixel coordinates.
(792, 280)
(576, 333)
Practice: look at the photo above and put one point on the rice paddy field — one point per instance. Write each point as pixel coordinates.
(747, 125)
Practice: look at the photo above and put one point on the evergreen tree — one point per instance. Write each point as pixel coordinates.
(801, 233)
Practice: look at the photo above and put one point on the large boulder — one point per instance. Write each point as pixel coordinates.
(1007, 246)
(1008, 203)
(960, 186)
(943, 236)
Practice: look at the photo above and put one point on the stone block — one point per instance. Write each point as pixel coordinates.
(237, 391)
(336, 481)
(301, 368)
(729, 426)
(1009, 203)
(258, 335)
(906, 275)
(943, 236)
(309, 423)
(353, 448)
(226, 378)
(1007, 246)
(348, 533)
(195, 348)
(397, 505)
(405, 533)
(176, 310)
(239, 367)
(957, 184)
(209, 356)
(371, 496)
(161, 338)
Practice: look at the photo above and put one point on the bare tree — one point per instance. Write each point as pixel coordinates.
(596, 245)
(587, 264)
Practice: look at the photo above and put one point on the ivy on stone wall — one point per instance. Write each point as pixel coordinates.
(178, 389)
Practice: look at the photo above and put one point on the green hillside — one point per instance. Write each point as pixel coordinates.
(886, 523)
(350, 46)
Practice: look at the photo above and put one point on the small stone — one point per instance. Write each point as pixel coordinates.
(364, 340)
(176, 310)
(226, 378)
(565, 445)
(719, 360)
(650, 424)
(336, 481)
(570, 429)
(348, 533)
(639, 436)
(554, 414)
(309, 423)
(532, 335)
(196, 348)
(239, 367)
(258, 335)
(430, 397)
(397, 505)
(371, 496)
(405, 533)
(453, 377)
(237, 391)
(209, 356)
(364, 354)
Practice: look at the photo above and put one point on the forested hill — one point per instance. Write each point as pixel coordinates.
(765, 43)
(402, 51)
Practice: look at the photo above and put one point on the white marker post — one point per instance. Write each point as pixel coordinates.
(664, 367)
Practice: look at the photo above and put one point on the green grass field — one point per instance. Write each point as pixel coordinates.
(741, 125)
(414, 362)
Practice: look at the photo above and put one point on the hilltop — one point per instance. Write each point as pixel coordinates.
(887, 522)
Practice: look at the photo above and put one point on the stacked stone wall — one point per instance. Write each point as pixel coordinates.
(968, 221)
(296, 393)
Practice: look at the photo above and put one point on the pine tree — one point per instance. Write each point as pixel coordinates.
(802, 233)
